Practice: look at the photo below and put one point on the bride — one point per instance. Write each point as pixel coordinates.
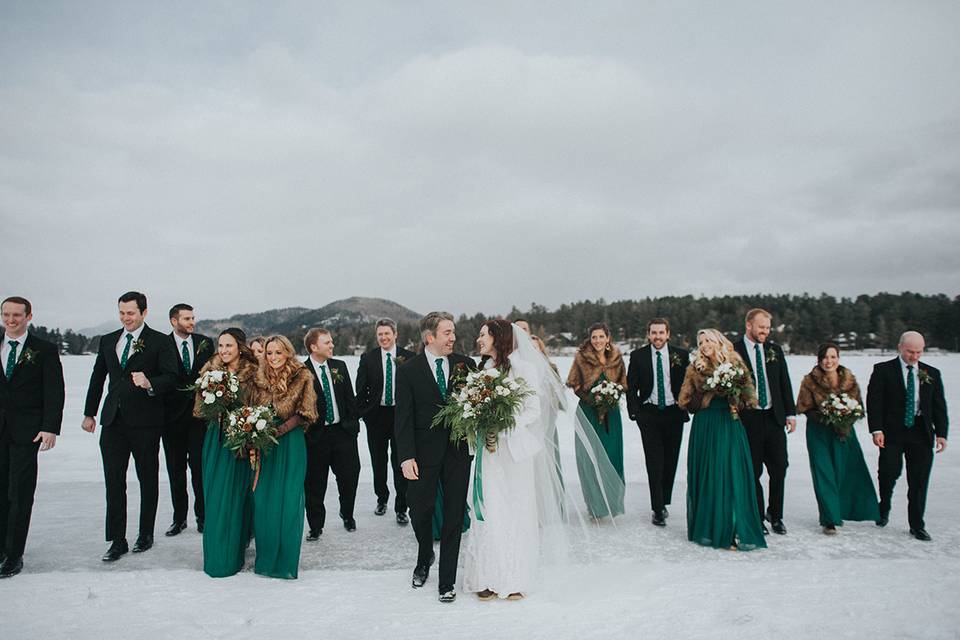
(524, 507)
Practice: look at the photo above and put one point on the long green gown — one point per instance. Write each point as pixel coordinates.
(278, 503)
(611, 438)
(841, 480)
(229, 506)
(721, 498)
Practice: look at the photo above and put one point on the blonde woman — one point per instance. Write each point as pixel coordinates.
(721, 498)
(287, 385)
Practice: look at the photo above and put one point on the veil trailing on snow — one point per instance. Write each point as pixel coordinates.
(560, 506)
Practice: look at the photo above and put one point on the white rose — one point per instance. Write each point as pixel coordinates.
(219, 393)
(209, 398)
(261, 424)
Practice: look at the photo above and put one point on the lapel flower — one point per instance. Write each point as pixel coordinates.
(771, 355)
(399, 360)
(203, 347)
(336, 375)
(29, 356)
(139, 345)
(675, 360)
(924, 376)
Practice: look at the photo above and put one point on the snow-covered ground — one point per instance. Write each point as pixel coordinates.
(648, 582)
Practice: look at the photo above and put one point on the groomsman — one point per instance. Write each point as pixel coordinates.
(907, 414)
(428, 457)
(376, 401)
(183, 434)
(332, 440)
(31, 409)
(142, 366)
(765, 426)
(654, 379)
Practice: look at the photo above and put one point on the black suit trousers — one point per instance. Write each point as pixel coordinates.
(183, 447)
(768, 447)
(118, 441)
(914, 445)
(330, 448)
(382, 443)
(661, 433)
(18, 483)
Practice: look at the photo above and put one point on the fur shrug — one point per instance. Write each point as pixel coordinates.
(815, 388)
(694, 396)
(587, 368)
(298, 399)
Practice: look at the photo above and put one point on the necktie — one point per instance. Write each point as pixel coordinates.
(911, 412)
(441, 379)
(761, 377)
(388, 383)
(661, 392)
(186, 356)
(12, 358)
(327, 396)
(126, 351)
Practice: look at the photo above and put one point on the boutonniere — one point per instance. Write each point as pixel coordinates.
(139, 345)
(336, 375)
(459, 376)
(924, 376)
(399, 360)
(675, 360)
(771, 355)
(29, 356)
(203, 347)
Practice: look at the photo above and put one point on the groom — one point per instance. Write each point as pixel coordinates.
(423, 385)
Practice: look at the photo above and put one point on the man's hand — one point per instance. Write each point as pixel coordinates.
(140, 380)
(410, 469)
(791, 425)
(878, 439)
(89, 424)
(941, 445)
(46, 439)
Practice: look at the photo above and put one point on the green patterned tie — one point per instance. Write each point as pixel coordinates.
(126, 351)
(441, 379)
(12, 358)
(186, 356)
(388, 384)
(761, 377)
(327, 396)
(661, 392)
(910, 416)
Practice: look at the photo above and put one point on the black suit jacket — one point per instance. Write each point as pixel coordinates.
(418, 400)
(179, 402)
(342, 392)
(32, 399)
(370, 378)
(887, 401)
(778, 378)
(641, 377)
(156, 360)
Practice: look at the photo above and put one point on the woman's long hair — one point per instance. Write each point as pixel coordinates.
(596, 326)
(278, 378)
(245, 353)
(724, 351)
(502, 333)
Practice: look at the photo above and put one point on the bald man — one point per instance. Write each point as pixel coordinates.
(907, 415)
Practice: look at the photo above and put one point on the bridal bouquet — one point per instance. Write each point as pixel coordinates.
(606, 396)
(220, 392)
(484, 406)
(840, 411)
(729, 380)
(251, 432)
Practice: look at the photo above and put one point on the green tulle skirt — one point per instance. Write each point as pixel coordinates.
(229, 507)
(841, 479)
(609, 500)
(278, 507)
(721, 498)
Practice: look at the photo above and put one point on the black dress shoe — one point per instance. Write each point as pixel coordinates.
(381, 509)
(11, 567)
(174, 529)
(422, 572)
(659, 519)
(314, 535)
(143, 543)
(666, 514)
(884, 518)
(778, 528)
(921, 534)
(117, 549)
(447, 594)
(763, 526)
(349, 524)
(403, 519)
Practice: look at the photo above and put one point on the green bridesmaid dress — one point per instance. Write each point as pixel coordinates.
(721, 497)
(437, 521)
(278, 503)
(841, 479)
(609, 500)
(229, 506)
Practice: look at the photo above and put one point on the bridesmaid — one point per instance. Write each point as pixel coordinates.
(285, 383)
(841, 479)
(721, 492)
(256, 346)
(226, 479)
(598, 360)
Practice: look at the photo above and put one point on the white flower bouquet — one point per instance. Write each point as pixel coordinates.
(251, 432)
(219, 391)
(841, 412)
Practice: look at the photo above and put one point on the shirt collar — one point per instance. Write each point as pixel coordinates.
(135, 334)
(316, 364)
(20, 339)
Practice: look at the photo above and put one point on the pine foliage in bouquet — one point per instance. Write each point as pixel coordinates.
(251, 432)
(841, 412)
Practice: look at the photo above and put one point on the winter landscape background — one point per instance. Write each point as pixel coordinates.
(643, 582)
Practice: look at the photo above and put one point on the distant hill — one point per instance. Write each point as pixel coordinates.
(351, 312)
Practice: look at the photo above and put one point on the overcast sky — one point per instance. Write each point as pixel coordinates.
(474, 156)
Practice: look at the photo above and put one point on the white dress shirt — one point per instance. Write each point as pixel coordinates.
(393, 364)
(5, 349)
(752, 354)
(325, 371)
(667, 392)
(916, 382)
(179, 342)
(432, 363)
(122, 342)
